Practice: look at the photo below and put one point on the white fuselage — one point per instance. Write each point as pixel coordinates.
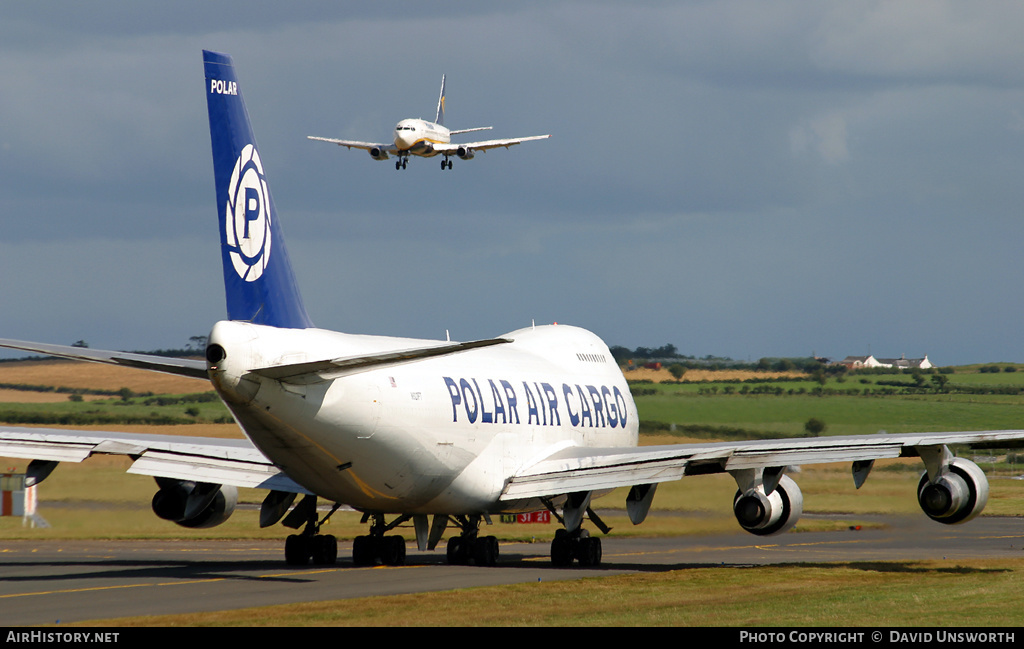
(417, 137)
(433, 436)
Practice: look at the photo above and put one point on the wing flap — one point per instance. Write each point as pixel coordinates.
(213, 470)
(355, 144)
(487, 144)
(222, 461)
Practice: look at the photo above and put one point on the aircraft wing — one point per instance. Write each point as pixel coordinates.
(486, 144)
(203, 459)
(354, 144)
(576, 469)
(180, 366)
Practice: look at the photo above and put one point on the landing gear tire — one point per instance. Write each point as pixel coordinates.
(387, 550)
(486, 551)
(296, 550)
(456, 551)
(362, 551)
(561, 549)
(589, 552)
(325, 550)
(483, 551)
(392, 551)
(579, 546)
(300, 549)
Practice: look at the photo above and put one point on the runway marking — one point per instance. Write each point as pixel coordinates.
(72, 590)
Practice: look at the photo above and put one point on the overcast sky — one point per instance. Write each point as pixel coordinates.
(742, 179)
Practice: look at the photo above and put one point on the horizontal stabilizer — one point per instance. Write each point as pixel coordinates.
(313, 371)
(180, 366)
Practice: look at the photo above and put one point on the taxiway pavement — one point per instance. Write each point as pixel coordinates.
(47, 582)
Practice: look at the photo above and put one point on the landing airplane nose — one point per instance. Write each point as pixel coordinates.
(404, 137)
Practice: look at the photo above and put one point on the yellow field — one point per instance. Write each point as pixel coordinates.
(98, 376)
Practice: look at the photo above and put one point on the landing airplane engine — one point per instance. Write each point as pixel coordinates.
(767, 514)
(465, 153)
(195, 505)
(377, 153)
(956, 496)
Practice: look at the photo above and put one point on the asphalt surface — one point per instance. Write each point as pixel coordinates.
(72, 581)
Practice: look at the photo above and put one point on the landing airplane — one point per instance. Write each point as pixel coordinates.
(428, 139)
(438, 433)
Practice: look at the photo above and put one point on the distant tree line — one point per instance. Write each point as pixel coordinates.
(669, 354)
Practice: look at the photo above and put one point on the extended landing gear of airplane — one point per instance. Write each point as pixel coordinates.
(469, 546)
(446, 164)
(575, 543)
(310, 545)
(401, 163)
(578, 545)
(376, 547)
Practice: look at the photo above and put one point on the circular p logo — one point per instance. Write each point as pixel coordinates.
(248, 216)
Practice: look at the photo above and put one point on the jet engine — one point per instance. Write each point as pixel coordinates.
(465, 153)
(378, 153)
(194, 504)
(766, 514)
(957, 495)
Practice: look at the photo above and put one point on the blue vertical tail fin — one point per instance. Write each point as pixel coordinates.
(258, 277)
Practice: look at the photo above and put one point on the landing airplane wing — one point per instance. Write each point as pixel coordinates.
(486, 144)
(470, 130)
(354, 144)
(577, 469)
(233, 462)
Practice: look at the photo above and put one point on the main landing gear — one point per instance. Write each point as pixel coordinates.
(310, 545)
(575, 543)
(469, 547)
(377, 547)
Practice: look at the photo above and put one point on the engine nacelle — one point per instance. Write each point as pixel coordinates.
(378, 153)
(465, 153)
(956, 496)
(766, 514)
(194, 504)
